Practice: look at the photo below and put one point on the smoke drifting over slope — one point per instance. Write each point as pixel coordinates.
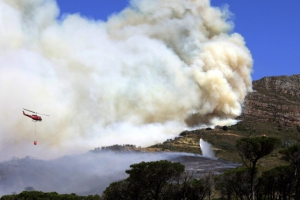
(91, 173)
(138, 78)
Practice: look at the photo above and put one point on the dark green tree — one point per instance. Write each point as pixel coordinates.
(162, 180)
(234, 183)
(292, 155)
(38, 195)
(120, 190)
(277, 183)
(151, 177)
(253, 149)
(147, 180)
(187, 187)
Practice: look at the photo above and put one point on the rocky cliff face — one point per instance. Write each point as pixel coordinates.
(275, 100)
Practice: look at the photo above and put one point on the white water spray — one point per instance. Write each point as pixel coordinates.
(206, 149)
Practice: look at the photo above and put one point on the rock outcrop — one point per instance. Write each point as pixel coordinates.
(275, 100)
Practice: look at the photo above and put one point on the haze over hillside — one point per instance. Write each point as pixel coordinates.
(90, 173)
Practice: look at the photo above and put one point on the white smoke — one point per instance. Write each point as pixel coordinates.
(206, 149)
(138, 78)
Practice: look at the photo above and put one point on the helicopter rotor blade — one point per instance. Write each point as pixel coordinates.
(43, 114)
(29, 110)
(35, 112)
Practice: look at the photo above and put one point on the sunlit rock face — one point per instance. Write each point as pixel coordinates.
(275, 100)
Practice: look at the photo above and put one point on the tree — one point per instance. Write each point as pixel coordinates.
(146, 180)
(119, 191)
(277, 183)
(153, 176)
(253, 149)
(233, 184)
(33, 195)
(292, 155)
(187, 187)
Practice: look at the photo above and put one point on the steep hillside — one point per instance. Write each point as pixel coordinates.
(275, 100)
(272, 109)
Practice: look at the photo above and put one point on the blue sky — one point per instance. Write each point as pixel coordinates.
(271, 29)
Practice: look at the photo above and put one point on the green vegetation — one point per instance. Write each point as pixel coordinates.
(269, 171)
(159, 180)
(292, 155)
(253, 149)
(38, 195)
(276, 183)
(223, 141)
(162, 180)
(233, 184)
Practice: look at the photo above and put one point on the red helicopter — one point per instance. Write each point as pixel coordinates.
(35, 118)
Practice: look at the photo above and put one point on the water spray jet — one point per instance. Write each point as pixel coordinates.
(206, 148)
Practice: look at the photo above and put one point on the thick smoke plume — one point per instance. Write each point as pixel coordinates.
(139, 78)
